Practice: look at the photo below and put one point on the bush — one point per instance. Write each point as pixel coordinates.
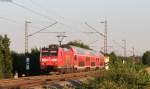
(146, 58)
(121, 76)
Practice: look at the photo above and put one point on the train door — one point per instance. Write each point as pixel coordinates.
(93, 62)
(81, 62)
(75, 61)
(87, 62)
(67, 60)
(97, 59)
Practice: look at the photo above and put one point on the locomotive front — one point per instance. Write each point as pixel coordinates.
(49, 58)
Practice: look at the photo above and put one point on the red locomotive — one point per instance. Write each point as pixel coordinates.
(69, 59)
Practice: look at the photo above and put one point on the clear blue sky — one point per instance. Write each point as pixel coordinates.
(127, 19)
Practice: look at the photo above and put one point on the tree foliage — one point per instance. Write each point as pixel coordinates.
(5, 57)
(78, 44)
(34, 61)
(19, 62)
(121, 76)
(146, 58)
(1, 57)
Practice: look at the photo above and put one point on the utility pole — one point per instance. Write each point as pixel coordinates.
(26, 36)
(125, 49)
(105, 36)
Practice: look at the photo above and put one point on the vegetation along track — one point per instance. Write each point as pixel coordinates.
(32, 81)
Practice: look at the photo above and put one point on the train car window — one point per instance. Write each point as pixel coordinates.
(92, 63)
(45, 53)
(87, 58)
(97, 59)
(81, 64)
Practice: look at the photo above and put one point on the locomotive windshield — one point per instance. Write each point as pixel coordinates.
(53, 52)
(49, 53)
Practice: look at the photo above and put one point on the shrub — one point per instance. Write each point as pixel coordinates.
(121, 76)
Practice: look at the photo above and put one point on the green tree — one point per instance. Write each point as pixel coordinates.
(1, 57)
(7, 59)
(19, 64)
(146, 58)
(113, 58)
(34, 61)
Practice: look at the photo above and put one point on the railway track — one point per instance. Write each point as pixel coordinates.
(28, 82)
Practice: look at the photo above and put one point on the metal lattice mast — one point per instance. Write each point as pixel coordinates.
(105, 36)
(125, 48)
(26, 36)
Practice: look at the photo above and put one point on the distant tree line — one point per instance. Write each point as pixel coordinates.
(78, 44)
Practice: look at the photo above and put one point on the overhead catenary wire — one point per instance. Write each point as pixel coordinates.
(42, 29)
(93, 42)
(38, 5)
(95, 30)
(37, 13)
(44, 9)
(117, 44)
(17, 22)
(32, 11)
(10, 20)
(45, 16)
(103, 35)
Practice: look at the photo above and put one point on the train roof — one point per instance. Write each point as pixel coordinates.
(77, 50)
(85, 51)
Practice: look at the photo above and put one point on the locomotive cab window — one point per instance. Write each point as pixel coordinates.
(53, 52)
(50, 53)
(45, 53)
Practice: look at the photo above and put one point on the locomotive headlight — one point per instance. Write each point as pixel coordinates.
(54, 59)
(44, 60)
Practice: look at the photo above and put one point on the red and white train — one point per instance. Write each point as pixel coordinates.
(69, 59)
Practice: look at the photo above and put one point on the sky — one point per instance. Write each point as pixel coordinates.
(127, 20)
